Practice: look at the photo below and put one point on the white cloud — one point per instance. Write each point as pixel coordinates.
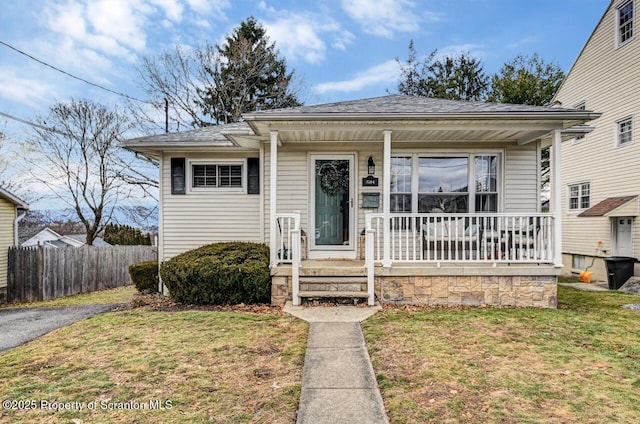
(386, 17)
(210, 7)
(383, 73)
(14, 86)
(475, 50)
(301, 35)
(172, 9)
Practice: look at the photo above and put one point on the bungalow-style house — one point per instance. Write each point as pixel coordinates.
(49, 238)
(600, 173)
(407, 199)
(12, 209)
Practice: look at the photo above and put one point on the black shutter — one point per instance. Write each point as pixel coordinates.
(253, 175)
(177, 176)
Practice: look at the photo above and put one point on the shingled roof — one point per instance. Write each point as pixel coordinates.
(398, 103)
(606, 206)
(213, 135)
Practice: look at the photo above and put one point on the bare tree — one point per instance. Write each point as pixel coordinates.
(80, 161)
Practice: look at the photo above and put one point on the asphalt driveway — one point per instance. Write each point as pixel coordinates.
(18, 326)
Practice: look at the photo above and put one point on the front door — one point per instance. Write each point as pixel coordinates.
(622, 231)
(332, 205)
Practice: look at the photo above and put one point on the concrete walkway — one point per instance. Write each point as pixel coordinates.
(595, 286)
(338, 382)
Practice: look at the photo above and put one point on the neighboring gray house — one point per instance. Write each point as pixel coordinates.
(600, 172)
(50, 238)
(408, 199)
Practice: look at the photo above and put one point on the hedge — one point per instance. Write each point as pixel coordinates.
(219, 274)
(145, 276)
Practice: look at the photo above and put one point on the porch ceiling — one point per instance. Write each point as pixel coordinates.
(443, 131)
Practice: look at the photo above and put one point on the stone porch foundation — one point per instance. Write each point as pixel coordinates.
(528, 286)
(528, 291)
(520, 291)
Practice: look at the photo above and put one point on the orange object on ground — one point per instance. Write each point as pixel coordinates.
(585, 276)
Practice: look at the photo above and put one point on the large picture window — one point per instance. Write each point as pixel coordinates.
(445, 184)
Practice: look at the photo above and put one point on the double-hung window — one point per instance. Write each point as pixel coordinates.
(216, 175)
(579, 196)
(423, 183)
(624, 23)
(401, 183)
(624, 132)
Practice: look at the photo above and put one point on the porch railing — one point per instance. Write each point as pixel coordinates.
(288, 248)
(436, 238)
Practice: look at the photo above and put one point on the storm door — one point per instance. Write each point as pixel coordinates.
(332, 209)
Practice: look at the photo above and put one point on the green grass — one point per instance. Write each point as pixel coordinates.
(211, 366)
(579, 363)
(118, 295)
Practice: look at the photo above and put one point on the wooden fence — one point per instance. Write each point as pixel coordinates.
(42, 273)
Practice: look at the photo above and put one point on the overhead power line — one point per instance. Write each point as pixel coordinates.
(33, 124)
(71, 75)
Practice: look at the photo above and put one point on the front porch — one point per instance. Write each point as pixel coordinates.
(429, 259)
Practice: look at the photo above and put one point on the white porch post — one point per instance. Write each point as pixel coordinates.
(273, 180)
(386, 199)
(556, 203)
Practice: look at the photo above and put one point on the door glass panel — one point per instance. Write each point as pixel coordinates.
(332, 202)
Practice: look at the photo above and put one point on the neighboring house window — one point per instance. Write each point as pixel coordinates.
(624, 131)
(445, 184)
(577, 261)
(625, 22)
(221, 176)
(579, 196)
(580, 106)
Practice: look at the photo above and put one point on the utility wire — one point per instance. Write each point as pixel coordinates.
(33, 124)
(71, 75)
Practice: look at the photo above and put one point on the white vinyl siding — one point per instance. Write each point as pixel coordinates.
(207, 216)
(607, 77)
(7, 219)
(521, 184)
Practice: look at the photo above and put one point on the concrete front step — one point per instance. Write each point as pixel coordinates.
(333, 284)
(329, 294)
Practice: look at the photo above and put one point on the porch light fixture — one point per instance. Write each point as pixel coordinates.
(371, 166)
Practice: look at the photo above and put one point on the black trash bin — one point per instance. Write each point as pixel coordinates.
(619, 270)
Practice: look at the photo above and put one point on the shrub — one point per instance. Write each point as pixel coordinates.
(219, 274)
(145, 276)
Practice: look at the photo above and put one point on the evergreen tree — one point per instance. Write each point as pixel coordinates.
(460, 77)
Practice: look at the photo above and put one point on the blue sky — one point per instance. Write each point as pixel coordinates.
(339, 49)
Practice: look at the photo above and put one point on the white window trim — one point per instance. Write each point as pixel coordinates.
(579, 209)
(224, 162)
(454, 153)
(622, 4)
(617, 131)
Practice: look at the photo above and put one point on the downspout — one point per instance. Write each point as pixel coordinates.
(16, 240)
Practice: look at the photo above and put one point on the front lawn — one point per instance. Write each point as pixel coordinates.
(118, 295)
(580, 363)
(211, 366)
